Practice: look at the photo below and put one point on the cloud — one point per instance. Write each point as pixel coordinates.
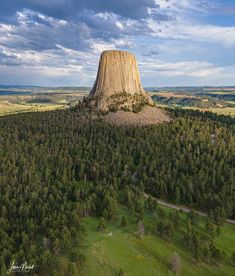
(196, 69)
(69, 60)
(62, 39)
(39, 32)
(36, 31)
(185, 73)
(151, 51)
(184, 30)
(70, 9)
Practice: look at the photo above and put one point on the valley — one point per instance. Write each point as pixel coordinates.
(218, 100)
(15, 100)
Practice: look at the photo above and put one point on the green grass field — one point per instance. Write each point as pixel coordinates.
(60, 99)
(7, 108)
(36, 102)
(232, 91)
(229, 111)
(225, 111)
(119, 248)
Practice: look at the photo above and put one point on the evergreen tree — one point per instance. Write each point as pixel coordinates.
(121, 273)
(101, 226)
(123, 222)
(233, 258)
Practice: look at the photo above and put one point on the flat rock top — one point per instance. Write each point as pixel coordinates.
(116, 52)
(147, 116)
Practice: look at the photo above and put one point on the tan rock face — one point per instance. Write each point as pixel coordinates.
(118, 82)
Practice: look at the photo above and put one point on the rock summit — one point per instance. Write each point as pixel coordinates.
(118, 85)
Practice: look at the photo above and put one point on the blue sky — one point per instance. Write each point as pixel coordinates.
(176, 42)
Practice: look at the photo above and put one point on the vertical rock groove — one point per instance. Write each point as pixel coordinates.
(117, 73)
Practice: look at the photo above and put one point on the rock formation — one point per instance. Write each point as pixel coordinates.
(117, 84)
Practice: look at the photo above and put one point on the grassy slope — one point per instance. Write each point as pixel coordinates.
(225, 111)
(220, 111)
(18, 104)
(13, 108)
(150, 256)
(57, 99)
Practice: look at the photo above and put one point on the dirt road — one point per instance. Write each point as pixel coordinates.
(184, 208)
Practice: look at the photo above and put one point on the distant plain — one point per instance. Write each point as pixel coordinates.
(14, 99)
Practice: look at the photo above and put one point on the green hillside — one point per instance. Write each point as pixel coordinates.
(107, 254)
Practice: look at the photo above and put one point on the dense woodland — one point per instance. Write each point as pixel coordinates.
(57, 167)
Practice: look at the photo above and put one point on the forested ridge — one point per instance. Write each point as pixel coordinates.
(57, 167)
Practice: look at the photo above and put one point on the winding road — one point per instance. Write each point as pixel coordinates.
(184, 208)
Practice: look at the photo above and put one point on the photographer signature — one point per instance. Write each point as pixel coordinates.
(23, 268)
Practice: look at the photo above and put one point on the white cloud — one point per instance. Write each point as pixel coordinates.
(172, 32)
(119, 25)
(100, 46)
(185, 24)
(196, 69)
(5, 29)
(196, 32)
(176, 5)
(50, 62)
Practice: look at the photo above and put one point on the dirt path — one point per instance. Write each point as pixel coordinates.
(184, 208)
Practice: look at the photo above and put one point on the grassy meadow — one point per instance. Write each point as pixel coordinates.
(37, 102)
(120, 248)
(7, 108)
(224, 111)
(46, 99)
(107, 254)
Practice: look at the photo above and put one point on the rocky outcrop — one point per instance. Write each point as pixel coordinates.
(117, 84)
(147, 116)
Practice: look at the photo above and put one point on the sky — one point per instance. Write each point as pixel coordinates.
(176, 42)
